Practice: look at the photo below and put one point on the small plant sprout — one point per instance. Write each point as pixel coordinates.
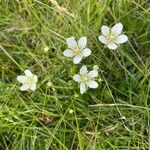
(86, 79)
(112, 37)
(28, 80)
(77, 49)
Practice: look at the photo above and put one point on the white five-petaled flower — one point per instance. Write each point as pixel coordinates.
(112, 37)
(77, 49)
(28, 80)
(86, 79)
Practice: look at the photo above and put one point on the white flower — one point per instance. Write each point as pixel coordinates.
(77, 49)
(46, 49)
(112, 37)
(70, 111)
(86, 79)
(28, 80)
(95, 67)
(49, 84)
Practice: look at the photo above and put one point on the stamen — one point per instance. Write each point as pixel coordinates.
(111, 38)
(84, 78)
(30, 80)
(77, 50)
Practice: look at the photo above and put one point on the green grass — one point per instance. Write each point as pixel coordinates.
(114, 116)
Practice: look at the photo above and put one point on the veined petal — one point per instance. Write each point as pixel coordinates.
(82, 87)
(77, 78)
(82, 42)
(86, 52)
(103, 39)
(68, 53)
(121, 39)
(117, 29)
(83, 70)
(71, 42)
(112, 46)
(28, 73)
(35, 78)
(77, 59)
(33, 87)
(22, 79)
(24, 87)
(92, 84)
(105, 30)
(93, 73)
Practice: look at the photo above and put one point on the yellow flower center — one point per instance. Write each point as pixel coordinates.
(111, 38)
(84, 78)
(30, 80)
(77, 50)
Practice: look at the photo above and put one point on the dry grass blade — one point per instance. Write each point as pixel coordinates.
(62, 9)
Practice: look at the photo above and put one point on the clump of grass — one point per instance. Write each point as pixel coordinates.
(115, 116)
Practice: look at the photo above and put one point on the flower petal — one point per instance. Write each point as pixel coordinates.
(24, 87)
(35, 78)
(82, 42)
(112, 46)
(28, 73)
(121, 39)
(68, 53)
(86, 52)
(117, 29)
(92, 84)
(33, 87)
(71, 42)
(83, 70)
(77, 59)
(22, 79)
(77, 78)
(105, 30)
(103, 39)
(82, 87)
(93, 73)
